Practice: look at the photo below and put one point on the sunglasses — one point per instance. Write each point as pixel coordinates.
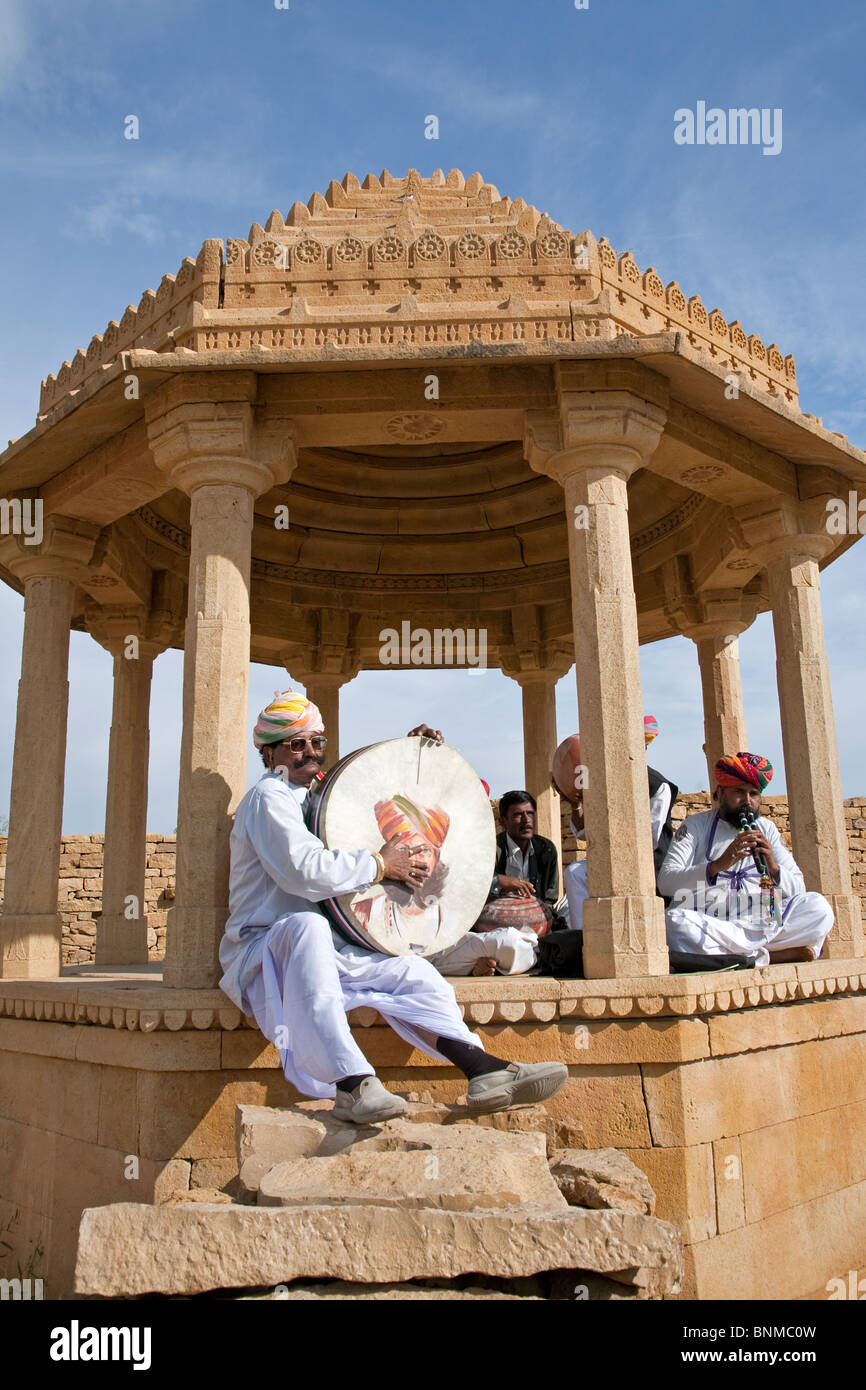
(318, 743)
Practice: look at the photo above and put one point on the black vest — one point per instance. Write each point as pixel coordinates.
(655, 781)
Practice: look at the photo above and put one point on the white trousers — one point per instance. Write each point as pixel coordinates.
(805, 921)
(514, 949)
(574, 878)
(308, 979)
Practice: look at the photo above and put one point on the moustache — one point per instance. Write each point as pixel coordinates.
(315, 758)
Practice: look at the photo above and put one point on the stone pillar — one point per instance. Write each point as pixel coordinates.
(539, 745)
(604, 436)
(809, 735)
(215, 451)
(30, 928)
(121, 933)
(724, 715)
(323, 666)
(324, 691)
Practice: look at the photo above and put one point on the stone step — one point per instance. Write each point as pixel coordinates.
(129, 1250)
(465, 1175)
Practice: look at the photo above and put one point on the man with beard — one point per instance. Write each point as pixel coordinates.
(285, 966)
(722, 903)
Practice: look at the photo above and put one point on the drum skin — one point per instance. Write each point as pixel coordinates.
(431, 799)
(516, 912)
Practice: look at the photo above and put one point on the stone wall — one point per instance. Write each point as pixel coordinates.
(79, 896)
(80, 887)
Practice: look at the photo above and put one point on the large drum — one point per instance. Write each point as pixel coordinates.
(430, 797)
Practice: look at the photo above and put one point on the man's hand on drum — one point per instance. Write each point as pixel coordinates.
(424, 731)
(404, 864)
(515, 887)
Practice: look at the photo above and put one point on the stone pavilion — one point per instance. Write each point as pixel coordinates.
(414, 399)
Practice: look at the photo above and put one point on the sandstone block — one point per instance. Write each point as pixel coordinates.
(602, 1178)
(130, 1249)
(465, 1177)
(266, 1136)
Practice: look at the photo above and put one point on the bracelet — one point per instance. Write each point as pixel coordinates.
(380, 866)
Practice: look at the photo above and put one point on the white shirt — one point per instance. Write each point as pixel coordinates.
(278, 867)
(516, 863)
(703, 838)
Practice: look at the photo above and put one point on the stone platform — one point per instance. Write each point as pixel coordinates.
(742, 1097)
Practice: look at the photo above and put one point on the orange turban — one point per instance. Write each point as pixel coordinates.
(400, 817)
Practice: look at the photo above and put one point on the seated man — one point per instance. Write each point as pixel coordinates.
(285, 966)
(519, 909)
(721, 902)
(565, 777)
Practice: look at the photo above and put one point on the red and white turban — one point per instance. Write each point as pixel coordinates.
(288, 715)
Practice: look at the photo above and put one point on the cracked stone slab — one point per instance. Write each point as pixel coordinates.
(128, 1249)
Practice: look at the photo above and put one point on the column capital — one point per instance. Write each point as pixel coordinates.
(545, 665)
(616, 431)
(719, 613)
(200, 443)
(64, 551)
(331, 657)
(786, 529)
(110, 626)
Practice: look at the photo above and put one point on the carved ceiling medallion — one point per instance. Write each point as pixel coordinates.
(414, 429)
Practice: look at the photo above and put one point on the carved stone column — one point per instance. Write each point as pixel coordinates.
(603, 436)
(30, 928)
(809, 735)
(134, 642)
(323, 668)
(718, 621)
(217, 452)
(537, 666)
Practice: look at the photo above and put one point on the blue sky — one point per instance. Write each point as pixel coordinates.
(244, 108)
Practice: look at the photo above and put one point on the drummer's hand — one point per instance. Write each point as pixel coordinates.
(424, 731)
(515, 887)
(403, 864)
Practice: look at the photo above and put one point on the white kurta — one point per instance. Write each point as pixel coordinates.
(285, 966)
(729, 913)
(515, 950)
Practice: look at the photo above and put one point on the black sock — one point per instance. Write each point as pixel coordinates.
(472, 1061)
(349, 1083)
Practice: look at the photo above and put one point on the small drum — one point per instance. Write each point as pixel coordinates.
(430, 797)
(515, 912)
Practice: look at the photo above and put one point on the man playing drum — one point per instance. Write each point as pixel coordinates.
(285, 966)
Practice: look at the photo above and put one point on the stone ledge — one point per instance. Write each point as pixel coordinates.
(140, 1002)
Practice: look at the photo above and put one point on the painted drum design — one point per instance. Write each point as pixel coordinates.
(428, 796)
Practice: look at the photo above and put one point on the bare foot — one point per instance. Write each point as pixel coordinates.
(793, 955)
(485, 965)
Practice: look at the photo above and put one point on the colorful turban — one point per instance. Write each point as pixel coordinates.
(566, 760)
(400, 817)
(744, 769)
(289, 714)
(650, 728)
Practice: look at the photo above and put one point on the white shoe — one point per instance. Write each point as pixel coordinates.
(517, 1084)
(368, 1104)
